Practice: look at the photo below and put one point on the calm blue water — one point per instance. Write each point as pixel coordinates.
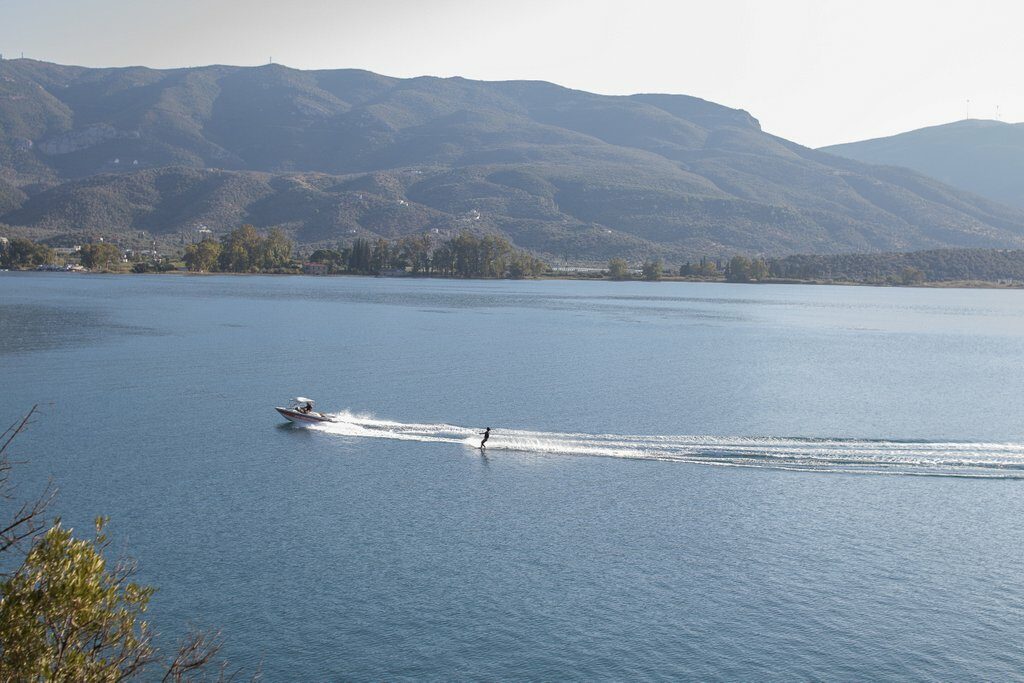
(686, 481)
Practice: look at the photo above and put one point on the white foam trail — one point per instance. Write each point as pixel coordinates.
(992, 460)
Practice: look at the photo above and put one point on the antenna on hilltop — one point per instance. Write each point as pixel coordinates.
(998, 115)
(968, 109)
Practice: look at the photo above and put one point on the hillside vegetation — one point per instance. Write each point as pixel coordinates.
(331, 156)
(933, 265)
(986, 157)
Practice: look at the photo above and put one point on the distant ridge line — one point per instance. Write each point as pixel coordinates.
(331, 155)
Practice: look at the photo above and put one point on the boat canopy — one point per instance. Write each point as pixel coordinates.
(303, 399)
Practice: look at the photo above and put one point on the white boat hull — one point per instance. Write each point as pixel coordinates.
(302, 418)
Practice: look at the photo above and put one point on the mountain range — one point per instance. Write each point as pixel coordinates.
(985, 157)
(331, 155)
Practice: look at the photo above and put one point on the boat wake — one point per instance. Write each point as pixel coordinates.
(922, 458)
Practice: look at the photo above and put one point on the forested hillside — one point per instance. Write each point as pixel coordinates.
(986, 157)
(330, 156)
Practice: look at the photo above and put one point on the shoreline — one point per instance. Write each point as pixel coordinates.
(939, 284)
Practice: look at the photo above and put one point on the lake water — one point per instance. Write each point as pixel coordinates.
(685, 481)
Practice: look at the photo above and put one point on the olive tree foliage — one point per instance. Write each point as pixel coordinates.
(415, 251)
(466, 255)
(618, 269)
(240, 252)
(742, 269)
(911, 276)
(330, 257)
(100, 255)
(19, 252)
(469, 255)
(243, 250)
(274, 251)
(652, 270)
(202, 257)
(704, 268)
(67, 613)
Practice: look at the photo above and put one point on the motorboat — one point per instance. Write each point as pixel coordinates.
(302, 412)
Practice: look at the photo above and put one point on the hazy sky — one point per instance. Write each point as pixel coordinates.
(817, 72)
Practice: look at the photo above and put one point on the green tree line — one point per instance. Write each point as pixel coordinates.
(19, 252)
(704, 268)
(891, 268)
(243, 250)
(618, 269)
(933, 265)
(465, 255)
(99, 255)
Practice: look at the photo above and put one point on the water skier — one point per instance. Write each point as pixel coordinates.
(486, 434)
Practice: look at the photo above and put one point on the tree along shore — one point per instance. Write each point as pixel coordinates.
(246, 250)
(940, 267)
(464, 256)
(467, 255)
